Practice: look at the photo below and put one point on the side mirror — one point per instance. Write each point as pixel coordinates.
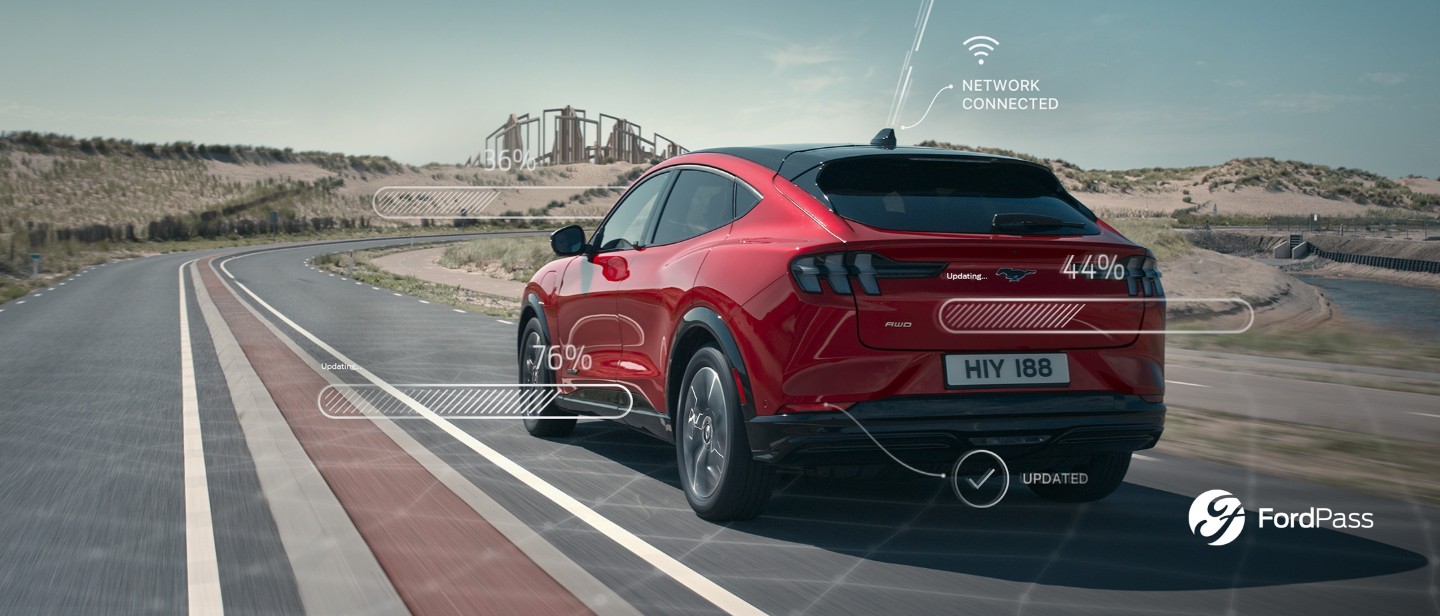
(568, 241)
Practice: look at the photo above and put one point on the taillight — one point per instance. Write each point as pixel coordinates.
(867, 268)
(1142, 277)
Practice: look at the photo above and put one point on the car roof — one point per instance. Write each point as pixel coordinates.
(793, 160)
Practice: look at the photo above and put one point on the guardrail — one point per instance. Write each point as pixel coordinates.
(1395, 263)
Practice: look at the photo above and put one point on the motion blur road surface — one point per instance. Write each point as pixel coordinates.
(287, 511)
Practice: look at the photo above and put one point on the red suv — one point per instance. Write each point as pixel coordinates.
(814, 306)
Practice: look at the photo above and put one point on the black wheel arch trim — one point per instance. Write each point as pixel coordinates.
(532, 301)
(703, 317)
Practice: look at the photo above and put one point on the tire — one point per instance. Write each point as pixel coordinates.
(1105, 473)
(534, 369)
(720, 479)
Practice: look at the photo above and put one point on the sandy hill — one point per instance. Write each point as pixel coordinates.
(110, 188)
(1244, 187)
(63, 182)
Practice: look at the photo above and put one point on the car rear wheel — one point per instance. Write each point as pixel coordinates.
(720, 479)
(535, 370)
(1103, 475)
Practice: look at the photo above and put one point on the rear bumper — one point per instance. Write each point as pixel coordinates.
(1027, 430)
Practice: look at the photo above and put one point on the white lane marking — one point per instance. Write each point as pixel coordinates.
(20, 302)
(396, 294)
(1190, 384)
(37, 295)
(1425, 414)
(51, 288)
(505, 322)
(357, 282)
(424, 302)
(62, 284)
(202, 569)
(697, 583)
(2, 310)
(455, 309)
(374, 288)
(1141, 456)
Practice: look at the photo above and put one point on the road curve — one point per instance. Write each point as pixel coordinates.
(95, 519)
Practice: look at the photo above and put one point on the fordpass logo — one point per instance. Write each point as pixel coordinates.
(1217, 515)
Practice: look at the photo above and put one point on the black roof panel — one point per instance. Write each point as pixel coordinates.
(792, 161)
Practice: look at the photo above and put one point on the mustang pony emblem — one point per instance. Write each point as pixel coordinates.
(1012, 274)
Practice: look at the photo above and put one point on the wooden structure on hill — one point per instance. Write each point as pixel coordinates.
(568, 135)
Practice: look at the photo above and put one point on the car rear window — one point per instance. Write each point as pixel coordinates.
(951, 196)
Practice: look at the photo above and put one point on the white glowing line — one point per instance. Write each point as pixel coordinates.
(927, 109)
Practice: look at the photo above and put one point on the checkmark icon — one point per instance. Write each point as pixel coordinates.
(976, 484)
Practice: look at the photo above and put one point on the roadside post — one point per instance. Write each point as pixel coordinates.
(274, 223)
(350, 267)
(35, 264)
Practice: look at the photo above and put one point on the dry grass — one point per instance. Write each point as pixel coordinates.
(514, 258)
(367, 272)
(1157, 234)
(67, 182)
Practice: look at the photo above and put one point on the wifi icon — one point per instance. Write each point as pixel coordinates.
(981, 48)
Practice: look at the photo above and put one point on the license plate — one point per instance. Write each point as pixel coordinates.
(1007, 369)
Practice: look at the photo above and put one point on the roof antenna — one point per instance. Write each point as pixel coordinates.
(885, 139)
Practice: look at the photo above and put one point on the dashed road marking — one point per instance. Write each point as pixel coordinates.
(1189, 384)
(424, 302)
(504, 321)
(455, 309)
(1141, 456)
(1425, 414)
(396, 294)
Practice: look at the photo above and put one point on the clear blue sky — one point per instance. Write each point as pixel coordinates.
(1139, 83)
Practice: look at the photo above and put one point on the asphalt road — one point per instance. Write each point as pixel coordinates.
(95, 518)
(1242, 387)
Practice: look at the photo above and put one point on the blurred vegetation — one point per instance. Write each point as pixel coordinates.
(79, 201)
(515, 258)
(53, 144)
(55, 188)
(367, 272)
(1157, 234)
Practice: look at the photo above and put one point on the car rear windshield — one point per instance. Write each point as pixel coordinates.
(951, 196)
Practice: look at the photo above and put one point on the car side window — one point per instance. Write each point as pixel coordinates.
(625, 228)
(745, 200)
(700, 202)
